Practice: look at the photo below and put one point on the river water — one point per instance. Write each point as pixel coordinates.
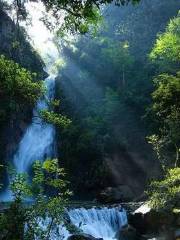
(102, 223)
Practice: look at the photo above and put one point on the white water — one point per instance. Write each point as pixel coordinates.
(98, 222)
(38, 140)
(38, 144)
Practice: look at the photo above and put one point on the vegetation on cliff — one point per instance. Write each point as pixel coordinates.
(118, 86)
(165, 193)
(106, 86)
(37, 220)
(70, 15)
(17, 88)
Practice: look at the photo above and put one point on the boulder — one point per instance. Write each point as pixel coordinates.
(177, 233)
(82, 236)
(145, 220)
(178, 220)
(116, 194)
(128, 232)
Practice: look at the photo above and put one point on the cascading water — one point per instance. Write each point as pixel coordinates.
(100, 223)
(38, 140)
(97, 222)
(38, 144)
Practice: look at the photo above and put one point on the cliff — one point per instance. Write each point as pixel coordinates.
(14, 46)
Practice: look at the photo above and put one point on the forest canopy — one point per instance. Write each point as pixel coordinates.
(70, 15)
(105, 122)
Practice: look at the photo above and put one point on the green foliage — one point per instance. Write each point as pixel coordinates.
(55, 118)
(166, 106)
(105, 87)
(166, 96)
(164, 194)
(87, 19)
(12, 221)
(17, 87)
(158, 145)
(20, 187)
(167, 48)
(17, 83)
(78, 16)
(14, 43)
(116, 55)
(21, 220)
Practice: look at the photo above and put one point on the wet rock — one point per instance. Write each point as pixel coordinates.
(177, 233)
(166, 235)
(116, 194)
(82, 236)
(147, 221)
(178, 220)
(128, 232)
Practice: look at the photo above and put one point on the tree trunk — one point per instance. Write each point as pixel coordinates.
(177, 156)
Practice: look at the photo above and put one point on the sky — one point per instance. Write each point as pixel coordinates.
(41, 37)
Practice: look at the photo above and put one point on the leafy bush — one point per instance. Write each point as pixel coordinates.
(164, 195)
(17, 87)
(166, 50)
(55, 118)
(37, 220)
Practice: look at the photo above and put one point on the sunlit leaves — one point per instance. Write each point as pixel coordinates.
(55, 118)
(20, 187)
(166, 96)
(71, 15)
(164, 194)
(166, 52)
(166, 108)
(48, 192)
(17, 85)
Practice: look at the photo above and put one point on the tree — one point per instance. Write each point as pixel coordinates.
(18, 87)
(116, 56)
(55, 118)
(166, 107)
(77, 14)
(37, 220)
(164, 194)
(166, 96)
(166, 50)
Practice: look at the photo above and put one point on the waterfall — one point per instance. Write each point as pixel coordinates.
(37, 143)
(100, 223)
(38, 140)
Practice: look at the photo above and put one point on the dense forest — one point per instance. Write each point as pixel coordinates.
(99, 121)
(106, 87)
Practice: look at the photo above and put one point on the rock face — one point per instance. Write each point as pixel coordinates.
(129, 173)
(116, 194)
(177, 233)
(83, 236)
(155, 225)
(128, 233)
(14, 46)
